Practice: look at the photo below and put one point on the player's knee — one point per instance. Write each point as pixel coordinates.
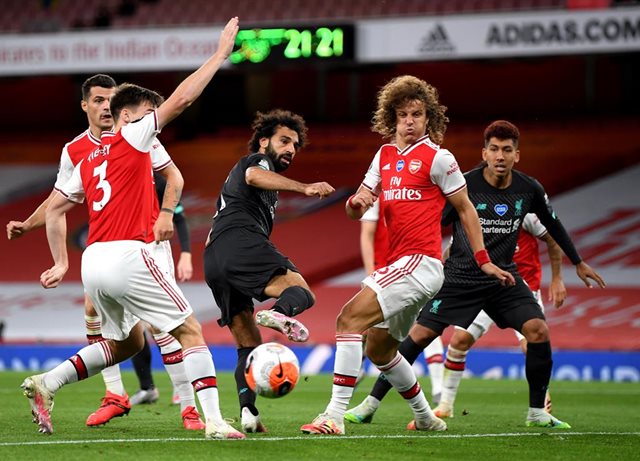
(535, 331)
(422, 335)
(295, 300)
(347, 321)
(89, 309)
(461, 340)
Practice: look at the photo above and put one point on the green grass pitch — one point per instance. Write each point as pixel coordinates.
(488, 425)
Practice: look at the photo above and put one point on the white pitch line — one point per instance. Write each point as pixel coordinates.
(320, 438)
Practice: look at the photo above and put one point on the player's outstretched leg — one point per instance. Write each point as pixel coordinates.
(290, 327)
(345, 372)
(201, 372)
(116, 401)
(292, 301)
(41, 401)
(364, 412)
(88, 361)
(172, 358)
(400, 374)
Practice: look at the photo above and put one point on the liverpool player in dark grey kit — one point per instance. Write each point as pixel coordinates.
(502, 197)
(240, 262)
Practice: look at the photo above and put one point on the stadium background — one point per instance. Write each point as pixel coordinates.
(565, 71)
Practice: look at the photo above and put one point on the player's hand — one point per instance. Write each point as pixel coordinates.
(585, 273)
(185, 267)
(228, 37)
(16, 229)
(363, 200)
(505, 277)
(51, 278)
(163, 227)
(557, 292)
(319, 189)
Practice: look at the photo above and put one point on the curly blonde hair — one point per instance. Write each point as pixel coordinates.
(400, 91)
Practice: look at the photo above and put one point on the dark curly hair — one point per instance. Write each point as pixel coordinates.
(130, 95)
(502, 130)
(400, 91)
(266, 124)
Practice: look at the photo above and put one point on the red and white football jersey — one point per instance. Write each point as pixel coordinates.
(527, 256)
(414, 183)
(83, 144)
(116, 179)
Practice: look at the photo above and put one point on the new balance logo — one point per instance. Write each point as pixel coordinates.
(437, 41)
(481, 206)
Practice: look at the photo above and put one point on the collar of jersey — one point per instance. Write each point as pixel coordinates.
(407, 149)
(92, 138)
(107, 134)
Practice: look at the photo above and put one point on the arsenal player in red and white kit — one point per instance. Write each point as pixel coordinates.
(96, 95)
(374, 244)
(415, 177)
(120, 274)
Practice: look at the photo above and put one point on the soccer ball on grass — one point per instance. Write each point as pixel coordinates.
(272, 370)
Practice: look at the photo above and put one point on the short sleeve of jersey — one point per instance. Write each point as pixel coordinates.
(259, 160)
(160, 158)
(446, 174)
(533, 225)
(65, 169)
(141, 134)
(372, 177)
(372, 213)
(72, 189)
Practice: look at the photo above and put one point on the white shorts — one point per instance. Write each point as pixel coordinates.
(130, 281)
(483, 322)
(403, 288)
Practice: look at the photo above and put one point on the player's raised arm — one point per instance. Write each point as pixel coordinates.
(191, 87)
(57, 237)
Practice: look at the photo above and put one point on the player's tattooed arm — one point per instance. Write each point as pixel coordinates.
(163, 227)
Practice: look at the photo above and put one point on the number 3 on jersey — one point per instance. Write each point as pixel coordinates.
(101, 172)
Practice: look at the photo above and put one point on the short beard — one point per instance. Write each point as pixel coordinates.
(279, 167)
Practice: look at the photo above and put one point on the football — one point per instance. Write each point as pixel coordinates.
(272, 370)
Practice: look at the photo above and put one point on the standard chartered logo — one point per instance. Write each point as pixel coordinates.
(499, 226)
